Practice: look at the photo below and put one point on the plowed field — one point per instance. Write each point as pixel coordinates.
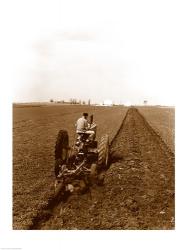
(138, 191)
(34, 135)
(139, 186)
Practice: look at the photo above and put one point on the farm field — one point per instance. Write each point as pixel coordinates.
(35, 128)
(162, 120)
(139, 186)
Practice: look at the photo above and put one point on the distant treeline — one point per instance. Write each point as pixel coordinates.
(72, 101)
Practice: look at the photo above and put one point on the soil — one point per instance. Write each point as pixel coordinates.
(35, 130)
(138, 190)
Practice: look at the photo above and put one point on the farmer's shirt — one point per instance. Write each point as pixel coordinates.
(81, 125)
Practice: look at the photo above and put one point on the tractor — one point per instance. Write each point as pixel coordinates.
(83, 163)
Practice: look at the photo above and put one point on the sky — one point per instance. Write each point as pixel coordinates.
(125, 51)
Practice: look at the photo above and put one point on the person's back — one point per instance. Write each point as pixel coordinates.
(82, 124)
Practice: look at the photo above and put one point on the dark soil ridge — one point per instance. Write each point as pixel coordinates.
(138, 192)
(148, 177)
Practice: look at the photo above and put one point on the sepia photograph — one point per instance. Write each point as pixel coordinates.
(92, 116)
(93, 134)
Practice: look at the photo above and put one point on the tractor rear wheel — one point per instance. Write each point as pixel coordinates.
(93, 170)
(103, 151)
(61, 150)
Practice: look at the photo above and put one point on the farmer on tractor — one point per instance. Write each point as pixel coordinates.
(86, 157)
(83, 126)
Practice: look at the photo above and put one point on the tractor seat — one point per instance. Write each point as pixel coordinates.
(83, 135)
(80, 133)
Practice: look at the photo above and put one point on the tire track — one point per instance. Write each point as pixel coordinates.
(138, 191)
